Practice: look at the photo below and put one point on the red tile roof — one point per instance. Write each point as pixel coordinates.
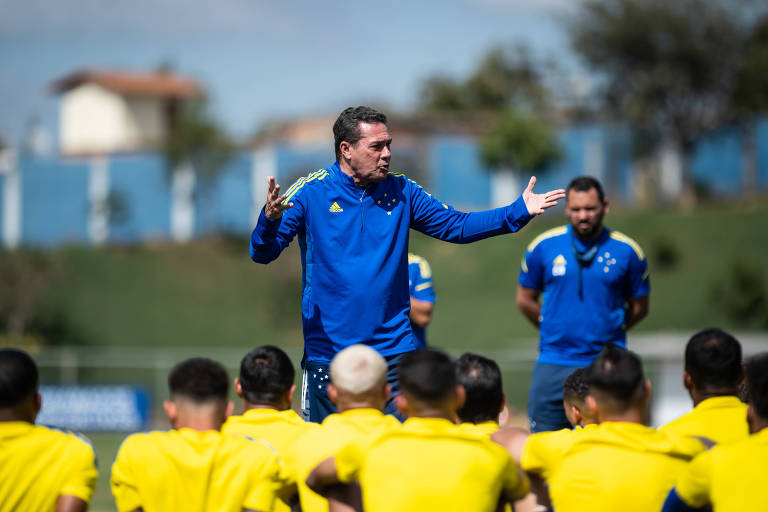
(161, 84)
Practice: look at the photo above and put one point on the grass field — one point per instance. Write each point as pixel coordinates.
(209, 293)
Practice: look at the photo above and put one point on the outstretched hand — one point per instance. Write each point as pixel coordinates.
(275, 207)
(537, 203)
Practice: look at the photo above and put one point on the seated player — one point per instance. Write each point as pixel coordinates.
(195, 467)
(359, 390)
(481, 379)
(620, 464)
(732, 476)
(266, 386)
(539, 454)
(40, 468)
(712, 376)
(429, 463)
(422, 296)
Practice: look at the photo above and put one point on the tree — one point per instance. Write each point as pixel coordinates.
(668, 68)
(506, 77)
(520, 142)
(196, 139)
(750, 98)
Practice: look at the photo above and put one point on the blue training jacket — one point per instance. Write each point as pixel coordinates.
(354, 254)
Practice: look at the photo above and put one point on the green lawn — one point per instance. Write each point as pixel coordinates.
(209, 293)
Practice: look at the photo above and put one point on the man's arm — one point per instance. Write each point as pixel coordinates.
(274, 231)
(421, 312)
(528, 303)
(637, 309)
(438, 220)
(323, 476)
(67, 503)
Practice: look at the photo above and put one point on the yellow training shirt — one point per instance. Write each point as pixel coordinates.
(279, 428)
(620, 466)
(317, 444)
(485, 428)
(38, 464)
(543, 451)
(722, 419)
(732, 477)
(430, 464)
(191, 470)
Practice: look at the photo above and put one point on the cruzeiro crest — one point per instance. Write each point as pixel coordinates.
(558, 266)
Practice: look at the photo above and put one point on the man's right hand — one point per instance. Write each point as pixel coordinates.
(275, 207)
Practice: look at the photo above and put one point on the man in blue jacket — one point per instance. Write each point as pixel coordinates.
(352, 220)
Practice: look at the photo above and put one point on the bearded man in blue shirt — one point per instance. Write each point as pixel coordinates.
(352, 220)
(594, 285)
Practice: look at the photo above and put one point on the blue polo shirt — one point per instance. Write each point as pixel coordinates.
(574, 329)
(420, 287)
(354, 254)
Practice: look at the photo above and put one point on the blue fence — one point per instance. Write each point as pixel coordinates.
(55, 204)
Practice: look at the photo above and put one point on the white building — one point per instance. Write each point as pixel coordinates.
(111, 111)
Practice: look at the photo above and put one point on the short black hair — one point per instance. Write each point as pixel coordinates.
(200, 380)
(575, 388)
(428, 375)
(585, 184)
(713, 360)
(266, 374)
(756, 369)
(18, 377)
(481, 378)
(347, 125)
(616, 373)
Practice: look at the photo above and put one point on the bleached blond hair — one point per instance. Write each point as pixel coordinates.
(358, 369)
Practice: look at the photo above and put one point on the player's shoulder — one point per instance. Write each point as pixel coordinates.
(301, 185)
(549, 235)
(63, 437)
(628, 242)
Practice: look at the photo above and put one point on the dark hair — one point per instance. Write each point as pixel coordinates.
(575, 388)
(481, 379)
(428, 375)
(18, 377)
(756, 370)
(713, 360)
(266, 374)
(347, 125)
(616, 373)
(585, 184)
(200, 380)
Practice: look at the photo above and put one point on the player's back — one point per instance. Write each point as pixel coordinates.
(543, 452)
(731, 477)
(317, 444)
(194, 471)
(620, 466)
(38, 464)
(722, 419)
(430, 464)
(278, 428)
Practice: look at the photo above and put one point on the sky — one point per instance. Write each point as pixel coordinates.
(261, 59)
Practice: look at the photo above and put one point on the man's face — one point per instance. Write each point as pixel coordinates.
(585, 212)
(369, 157)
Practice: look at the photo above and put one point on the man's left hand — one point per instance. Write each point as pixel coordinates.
(537, 203)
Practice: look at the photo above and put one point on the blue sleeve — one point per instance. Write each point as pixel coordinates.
(271, 236)
(420, 277)
(438, 220)
(531, 270)
(674, 503)
(638, 282)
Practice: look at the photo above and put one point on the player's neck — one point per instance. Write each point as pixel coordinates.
(346, 169)
(435, 412)
(247, 406)
(201, 423)
(628, 416)
(19, 413)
